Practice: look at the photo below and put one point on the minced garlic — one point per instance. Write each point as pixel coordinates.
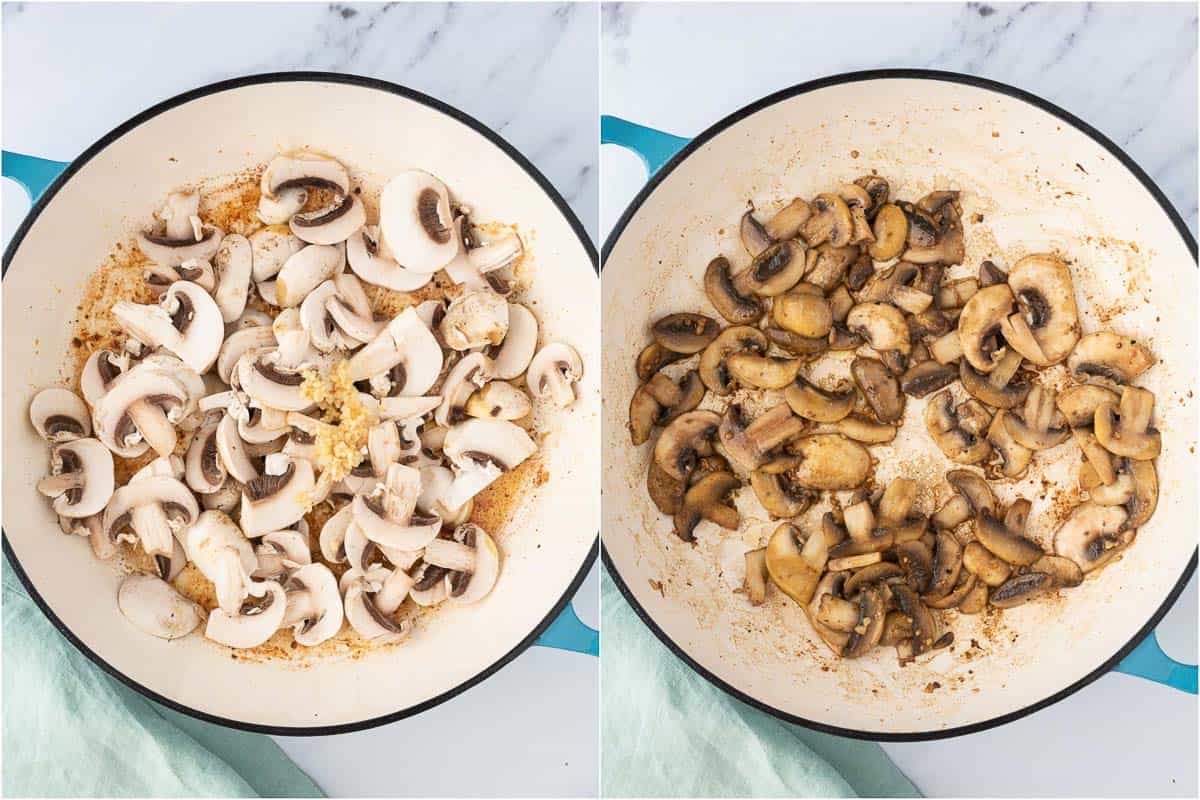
(341, 441)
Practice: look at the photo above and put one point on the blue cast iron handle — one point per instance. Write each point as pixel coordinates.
(656, 148)
(35, 176)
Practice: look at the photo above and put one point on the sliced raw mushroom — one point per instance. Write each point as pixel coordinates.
(714, 360)
(233, 263)
(81, 479)
(304, 170)
(101, 369)
(500, 400)
(156, 508)
(279, 497)
(254, 622)
(472, 561)
(1045, 294)
(270, 248)
(415, 221)
(979, 333)
(365, 616)
(404, 341)
(333, 224)
(186, 321)
(205, 469)
(513, 355)
(1109, 357)
(481, 450)
(222, 553)
(314, 604)
(773, 271)
(280, 552)
(260, 338)
(60, 415)
(879, 388)
(1125, 430)
(747, 443)
(389, 516)
(305, 270)
(168, 251)
(475, 319)
(464, 379)
(737, 308)
(154, 607)
(368, 261)
(141, 409)
(811, 402)
(553, 372)
(942, 419)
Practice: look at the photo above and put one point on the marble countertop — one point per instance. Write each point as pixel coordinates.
(73, 72)
(1129, 70)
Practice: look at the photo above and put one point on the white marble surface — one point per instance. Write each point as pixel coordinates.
(73, 72)
(1129, 70)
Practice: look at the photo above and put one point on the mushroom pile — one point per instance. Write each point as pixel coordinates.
(262, 384)
(858, 286)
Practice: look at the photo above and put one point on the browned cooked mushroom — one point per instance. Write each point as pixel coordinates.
(654, 357)
(774, 270)
(707, 499)
(1127, 431)
(660, 400)
(737, 308)
(714, 367)
(747, 443)
(879, 388)
(685, 333)
(830, 222)
(685, 441)
(819, 405)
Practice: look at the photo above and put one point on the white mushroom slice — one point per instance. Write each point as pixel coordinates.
(294, 342)
(154, 607)
(255, 622)
(232, 451)
(233, 263)
(270, 385)
(366, 618)
(266, 290)
(279, 552)
(475, 319)
(81, 478)
(389, 519)
(170, 252)
(178, 212)
(162, 467)
(482, 450)
(516, 351)
(552, 373)
(251, 318)
(1093, 535)
(430, 586)
(435, 482)
(415, 221)
(189, 417)
(317, 321)
(305, 270)
(496, 254)
(471, 373)
(204, 469)
(60, 415)
(333, 535)
(314, 605)
(262, 426)
(392, 590)
(270, 248)
(394, 442)
(155, 508)
(499, 400)
(278, 498)
(407, 341)
(429, 312)
(304, 170)
(278, 210)
(408, 407)
(216, 545)
(199, 272)
(369, 263)
(356, 328)
(258, 338)
(224, 499)
(186, 321)
(141, 408)
(473, 583)
(101, 369)
(332, 225)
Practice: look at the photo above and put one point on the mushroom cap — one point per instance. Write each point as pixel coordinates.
(516, 351)
(1043, 287)
(90, 466)
(810, 401)
(153, 606)
(186, 321)
(333, 535)
(475, 442)
(261, 375)
(101, 369)
(323, 606)
(685, 333)
(405, 340)
(415, 221)
(60, 415)
(366, 617)
(1078, 404)
(305, 270)
(684, 440)
(979, 326)
(278, 498)
(270, 248)
(260, 338)
(475, 319)
(146, 384)
(1109, 357)
(829, 461)
(368, 261)
(222, 553)
(552, 372)
(470, 587)
(234, 261)
(714, 371)
(736, 308)
(204, 469)
(881, 324)
(1092, 535)
(171, 252)
(333, 224)
(469, 374)
(306, 170)
(256, 620)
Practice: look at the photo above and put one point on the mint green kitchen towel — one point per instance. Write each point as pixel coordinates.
(72, 731)
(667, 732)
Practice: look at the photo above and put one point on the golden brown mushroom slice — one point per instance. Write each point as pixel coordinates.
(882, 326)
(1006, 539)
(1062, 571)
(1040, 425)
(831, 462)
(1045, 294)
(682, 443)
(685, 333)
(1127, 432)
(890, 231)
(773, 271)
(762, 372)
(737, 308)
(714, 360)
(1093, 535)
(980, 562)
(778, 492)
(756, 576)
(830, 221)
(659, 401)
(708, 499)
(1014, 458)
(868, 626)
(925, 378)
(804, 313)
(747, 443)
(947, 564)
(795, 570)
(879, 388)
(811, 402)
(947, 429)
(654, 357)
(979, 326)
(1020, 589)
(1109, 357)
(665, 491)
(1003, 387)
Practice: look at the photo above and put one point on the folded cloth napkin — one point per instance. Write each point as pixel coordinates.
(667, 732)
(72, 731)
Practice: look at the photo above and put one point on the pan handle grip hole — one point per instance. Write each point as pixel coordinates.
(654, 147)
(34, 174)
(1150, 662)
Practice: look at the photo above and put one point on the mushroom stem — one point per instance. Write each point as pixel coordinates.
(153, 530)
(450, 554)
(55, 485)
(154, 426)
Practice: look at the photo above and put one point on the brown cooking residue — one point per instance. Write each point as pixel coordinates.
(232, 205)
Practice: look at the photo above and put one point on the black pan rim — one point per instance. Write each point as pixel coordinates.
(302, 77)
(894, 74)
